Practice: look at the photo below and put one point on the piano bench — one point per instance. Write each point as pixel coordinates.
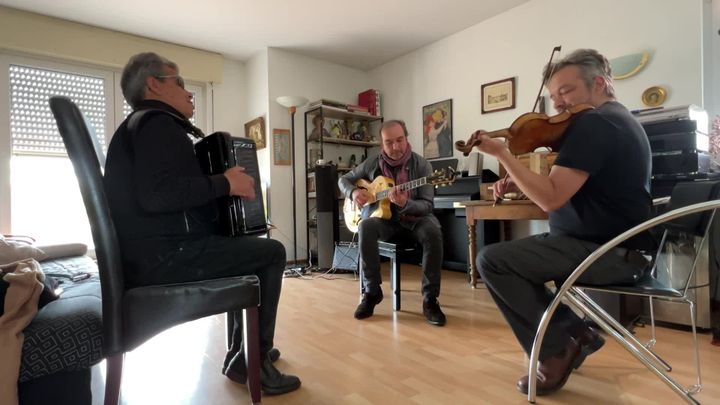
(392, 251)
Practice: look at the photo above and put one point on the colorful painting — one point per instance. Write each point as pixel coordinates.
(437, 130)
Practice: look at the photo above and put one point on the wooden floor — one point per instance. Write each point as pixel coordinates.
(395, 358)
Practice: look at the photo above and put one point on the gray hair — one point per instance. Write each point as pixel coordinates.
(591, 64)
(137, 70)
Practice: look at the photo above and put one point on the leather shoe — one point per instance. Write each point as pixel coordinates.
(273, 354)
(273, 382)
(432, 312)
(589, 341)
(367, 305)
(553, 373)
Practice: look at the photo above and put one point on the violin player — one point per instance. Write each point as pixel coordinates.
(598, 188)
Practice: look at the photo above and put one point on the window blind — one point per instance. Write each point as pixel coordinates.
(32, 125)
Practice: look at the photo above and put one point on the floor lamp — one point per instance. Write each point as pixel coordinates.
(291, 103)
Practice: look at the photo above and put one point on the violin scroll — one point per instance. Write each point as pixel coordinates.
(473, 141)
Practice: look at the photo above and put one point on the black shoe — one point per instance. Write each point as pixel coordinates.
(367, 305)
(272, 380)
(432, 312)
(589, 341)
(273, 354)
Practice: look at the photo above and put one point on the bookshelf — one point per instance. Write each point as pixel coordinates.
(340, 138)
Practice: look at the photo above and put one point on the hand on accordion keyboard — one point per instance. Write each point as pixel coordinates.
(241, 184)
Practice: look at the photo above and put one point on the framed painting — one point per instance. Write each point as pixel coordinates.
(281, 147)
(255, 130)
(437, 130)
(498, 96)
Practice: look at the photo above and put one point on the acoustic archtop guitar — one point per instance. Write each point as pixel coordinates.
(378, 206)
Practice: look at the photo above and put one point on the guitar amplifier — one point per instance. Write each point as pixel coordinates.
(681, 161)
(218, 152)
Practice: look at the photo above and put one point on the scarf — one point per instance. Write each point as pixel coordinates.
(389, 166)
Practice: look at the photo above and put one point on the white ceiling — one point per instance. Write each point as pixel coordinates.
(361, 33)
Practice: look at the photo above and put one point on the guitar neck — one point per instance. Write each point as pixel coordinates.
(403, 187)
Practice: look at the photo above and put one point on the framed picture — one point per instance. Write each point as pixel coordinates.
(437, 130)
(281, 147)
(498, 96)
(255, 130)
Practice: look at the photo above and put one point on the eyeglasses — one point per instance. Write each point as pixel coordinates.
(178, 79)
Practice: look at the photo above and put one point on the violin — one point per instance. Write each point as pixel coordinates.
(529, 131)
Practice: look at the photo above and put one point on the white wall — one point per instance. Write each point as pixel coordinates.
(518, 43)
(290, 74)
(255, 98)
(227, 104)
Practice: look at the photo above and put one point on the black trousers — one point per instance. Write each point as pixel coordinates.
(426, 231)
(216, 257)
(515, 273)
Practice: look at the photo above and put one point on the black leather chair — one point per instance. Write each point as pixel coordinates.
(133, 315)
(685, 230)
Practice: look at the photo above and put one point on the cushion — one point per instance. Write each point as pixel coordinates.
(12, 251)
(64, 250)
(66, 334)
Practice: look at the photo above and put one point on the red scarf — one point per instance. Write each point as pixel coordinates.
(389, 166)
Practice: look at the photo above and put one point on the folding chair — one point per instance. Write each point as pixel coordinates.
(685, 232)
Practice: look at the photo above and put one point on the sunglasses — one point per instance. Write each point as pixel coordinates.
(178, 79)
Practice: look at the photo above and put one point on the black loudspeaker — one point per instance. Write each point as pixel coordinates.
(327, 213)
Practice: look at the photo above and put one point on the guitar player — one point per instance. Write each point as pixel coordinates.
(412, 219)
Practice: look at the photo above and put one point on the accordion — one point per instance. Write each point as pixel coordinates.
(218, 152)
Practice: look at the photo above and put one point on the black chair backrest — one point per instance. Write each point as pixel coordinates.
(693, 192)
(82, 153)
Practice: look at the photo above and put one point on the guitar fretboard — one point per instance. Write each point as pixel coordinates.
(405, 186)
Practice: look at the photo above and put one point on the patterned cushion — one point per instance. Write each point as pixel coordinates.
(66, 334)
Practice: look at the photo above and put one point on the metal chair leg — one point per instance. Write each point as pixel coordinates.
(651, 343)
(618, 327)
(603, 319)
(697, 387)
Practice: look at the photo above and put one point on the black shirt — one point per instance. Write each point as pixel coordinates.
(612, 147)
(157, 193)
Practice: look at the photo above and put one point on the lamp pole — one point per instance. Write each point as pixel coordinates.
(292, 102)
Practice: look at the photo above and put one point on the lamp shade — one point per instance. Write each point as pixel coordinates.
(291, 101)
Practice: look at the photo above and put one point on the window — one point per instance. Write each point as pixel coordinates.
(39, 196)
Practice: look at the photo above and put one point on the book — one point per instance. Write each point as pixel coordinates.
(370, 99)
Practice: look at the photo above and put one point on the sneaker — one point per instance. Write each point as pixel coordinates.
(432, 312)
(367, 305)
(273, 382)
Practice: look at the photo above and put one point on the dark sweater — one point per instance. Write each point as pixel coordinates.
(157, 193)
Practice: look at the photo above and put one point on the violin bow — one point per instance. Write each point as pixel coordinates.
(548, 73)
